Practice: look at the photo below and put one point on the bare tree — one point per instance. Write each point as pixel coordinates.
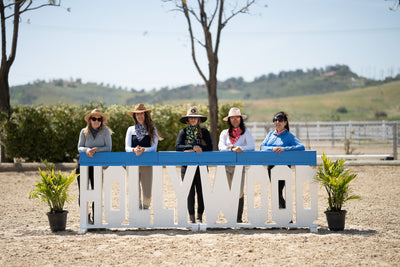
(212, 17)
(396, 5)
(12, 10)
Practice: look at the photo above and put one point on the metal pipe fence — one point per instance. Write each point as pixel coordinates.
(359, 133)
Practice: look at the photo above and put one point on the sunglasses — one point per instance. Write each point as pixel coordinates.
(96, 119)
(278, 119)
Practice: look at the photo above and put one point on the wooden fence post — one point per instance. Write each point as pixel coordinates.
(395, 141)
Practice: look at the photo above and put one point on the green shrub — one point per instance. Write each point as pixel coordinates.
(38, 133)
(341, 110)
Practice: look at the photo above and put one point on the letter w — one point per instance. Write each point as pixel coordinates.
(222, 198)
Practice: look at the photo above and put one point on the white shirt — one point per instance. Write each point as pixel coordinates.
(245, 141)
(128, 140)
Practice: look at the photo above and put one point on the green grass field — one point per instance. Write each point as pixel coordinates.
(361, 104)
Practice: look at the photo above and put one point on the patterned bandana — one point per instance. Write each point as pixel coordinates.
(94, 131)
(191, 134)
(141, 131)
(236, 132)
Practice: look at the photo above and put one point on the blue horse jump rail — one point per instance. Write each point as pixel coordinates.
(122, 169)
(214, 158)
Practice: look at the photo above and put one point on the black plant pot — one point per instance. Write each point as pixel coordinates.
(58, 220)
(336, 220)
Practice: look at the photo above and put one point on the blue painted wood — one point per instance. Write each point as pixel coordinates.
(119, 159)
(173, 158)
(271, 158)
(192, 158)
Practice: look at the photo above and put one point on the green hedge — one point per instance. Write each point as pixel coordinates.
(38, 133)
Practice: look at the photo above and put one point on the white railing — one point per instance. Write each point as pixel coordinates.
(359, 133)
(120, 209)
(380, 131)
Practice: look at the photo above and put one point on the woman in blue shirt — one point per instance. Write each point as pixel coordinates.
(278, 141)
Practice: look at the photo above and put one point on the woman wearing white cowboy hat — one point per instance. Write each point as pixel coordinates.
(142, 137)
(194, 138)
(95, 137)
(237, 139)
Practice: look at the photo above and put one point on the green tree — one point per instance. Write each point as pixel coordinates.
(212, 17)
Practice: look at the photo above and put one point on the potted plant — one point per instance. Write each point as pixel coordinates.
(336, 179)
(53, 190)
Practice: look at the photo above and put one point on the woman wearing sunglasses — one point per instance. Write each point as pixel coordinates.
(280, 140)
(95, 137)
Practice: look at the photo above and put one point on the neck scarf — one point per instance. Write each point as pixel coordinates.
(141, 131)
(94, 131)
(236, 132)
(191, 134)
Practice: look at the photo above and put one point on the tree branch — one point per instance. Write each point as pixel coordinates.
(187, 15)
(242, 10)
(220, 27)
(27, 8)
(13, 52)
(3, 34)
(214, 13)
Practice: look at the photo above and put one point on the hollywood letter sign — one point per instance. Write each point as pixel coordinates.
(116, 172)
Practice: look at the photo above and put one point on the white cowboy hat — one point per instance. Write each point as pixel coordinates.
(96, 112)
(234, 112)
(193, 112)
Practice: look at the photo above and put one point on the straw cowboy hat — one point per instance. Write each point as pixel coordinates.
(234, 112)
(96, 112)
(193, 112)
(139, 108)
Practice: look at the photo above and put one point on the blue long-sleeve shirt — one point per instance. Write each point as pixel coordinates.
(286, 139)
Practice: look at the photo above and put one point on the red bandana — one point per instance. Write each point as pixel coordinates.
(236, 132)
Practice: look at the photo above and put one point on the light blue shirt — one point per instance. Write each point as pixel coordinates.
(286, 139)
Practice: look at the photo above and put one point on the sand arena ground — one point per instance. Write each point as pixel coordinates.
(371, 237)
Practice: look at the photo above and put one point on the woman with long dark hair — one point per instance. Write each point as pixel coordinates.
(194, 138)
(142, 137)
(237, 139)
(280, 140)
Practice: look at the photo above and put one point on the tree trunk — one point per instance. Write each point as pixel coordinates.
(4, 105)
(6, 63)
(213, 105)
(4, 89)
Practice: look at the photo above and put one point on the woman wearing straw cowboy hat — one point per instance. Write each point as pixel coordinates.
(95, 137)
(142, 137)
(237, 139)
(194, 138)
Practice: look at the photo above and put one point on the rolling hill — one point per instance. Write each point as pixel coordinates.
(333, 93)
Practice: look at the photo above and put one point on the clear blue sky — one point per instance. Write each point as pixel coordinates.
(142, 44)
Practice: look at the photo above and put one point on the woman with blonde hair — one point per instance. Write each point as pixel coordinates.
(95, 137)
